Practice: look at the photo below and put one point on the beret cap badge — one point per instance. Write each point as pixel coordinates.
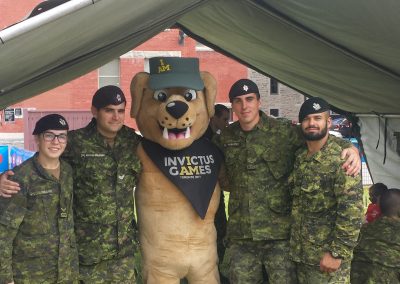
(63, 122)
(243, 87)
(311, 106)
(108, 95)
(52, 121)
(316, 106)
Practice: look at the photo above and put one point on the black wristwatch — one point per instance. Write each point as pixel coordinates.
(334, 254)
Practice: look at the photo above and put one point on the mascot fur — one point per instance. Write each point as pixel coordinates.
(172, 114)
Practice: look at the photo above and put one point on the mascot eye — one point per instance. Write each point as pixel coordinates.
(190, 95)
(160, 95)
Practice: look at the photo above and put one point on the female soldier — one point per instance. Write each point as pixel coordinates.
(37, 241)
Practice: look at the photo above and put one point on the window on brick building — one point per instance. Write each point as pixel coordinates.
(273, 87)
(109, 74)
(146, 67)
(274, 112)
(202, 47)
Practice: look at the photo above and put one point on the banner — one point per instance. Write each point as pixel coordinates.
(355, 143)
(18, 155)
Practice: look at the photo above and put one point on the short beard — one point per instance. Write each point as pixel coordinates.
(316, 136)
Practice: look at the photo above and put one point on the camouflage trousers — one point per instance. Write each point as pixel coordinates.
(220, 225)
(45, 279)
(368, 273)
(245, 259)
(36, 273)
(310, 274)
(120, 271)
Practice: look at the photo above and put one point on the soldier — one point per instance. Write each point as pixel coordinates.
(377, 256)
(218, 122)
(327, 207)
(37, 240)
(259, 154)
(103, 156)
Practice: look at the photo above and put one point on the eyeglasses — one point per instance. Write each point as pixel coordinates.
(50, 136)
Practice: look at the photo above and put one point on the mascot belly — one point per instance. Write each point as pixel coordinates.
(178, 194)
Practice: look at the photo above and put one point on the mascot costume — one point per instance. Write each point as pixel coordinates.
(178, 193)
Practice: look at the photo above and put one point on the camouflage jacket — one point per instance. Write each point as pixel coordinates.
(380, 243)
(327, 208)
(37, 241)
(257, 164)
(104, 181)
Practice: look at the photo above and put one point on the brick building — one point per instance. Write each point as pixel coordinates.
(277, 99)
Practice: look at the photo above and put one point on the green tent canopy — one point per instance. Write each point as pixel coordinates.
(344, 51)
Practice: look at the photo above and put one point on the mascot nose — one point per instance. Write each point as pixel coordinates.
(177, 108)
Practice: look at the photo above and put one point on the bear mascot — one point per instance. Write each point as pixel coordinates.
(178, 193)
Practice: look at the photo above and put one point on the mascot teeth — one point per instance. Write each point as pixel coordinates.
(187, 133)
(165, 133)
(171, 135)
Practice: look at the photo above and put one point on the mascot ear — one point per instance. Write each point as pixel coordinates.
(210, 91)
(138, 85)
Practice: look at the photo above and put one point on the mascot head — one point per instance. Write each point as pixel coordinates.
(173, 104)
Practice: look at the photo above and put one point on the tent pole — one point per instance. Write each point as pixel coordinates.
(44, 18)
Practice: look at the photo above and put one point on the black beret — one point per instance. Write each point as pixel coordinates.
(243, 87)
(108, 95)
(51, 121)
(311, 106)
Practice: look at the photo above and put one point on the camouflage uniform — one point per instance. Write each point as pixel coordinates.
(37, 241)
(327, 212)
(377, 256)
(105, 178)
(258, 163)
(220, 221)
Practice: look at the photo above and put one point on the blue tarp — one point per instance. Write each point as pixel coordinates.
(355, 143)
(11, 156)
(3, 158)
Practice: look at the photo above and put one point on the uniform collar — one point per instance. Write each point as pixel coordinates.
(318, 156)
(40, 168)
(262, 122)
(92, 129)
(266, 122)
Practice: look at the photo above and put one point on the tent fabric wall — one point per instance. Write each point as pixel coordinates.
(384, 160)
(308, 58)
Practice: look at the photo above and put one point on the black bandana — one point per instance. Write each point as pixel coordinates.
(194, 170)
